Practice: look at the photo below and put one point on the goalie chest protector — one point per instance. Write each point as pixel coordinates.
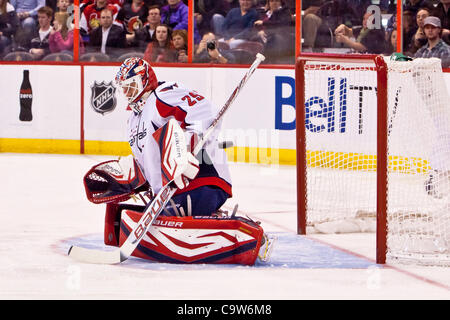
(190, 240)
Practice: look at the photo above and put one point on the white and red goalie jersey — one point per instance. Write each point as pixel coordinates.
(194, 114)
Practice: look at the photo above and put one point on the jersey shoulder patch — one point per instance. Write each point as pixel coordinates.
(168, 87)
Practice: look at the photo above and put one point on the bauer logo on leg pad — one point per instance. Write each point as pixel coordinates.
(196, 240)
(157, 205)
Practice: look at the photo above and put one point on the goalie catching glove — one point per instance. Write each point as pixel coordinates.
(177, 164)
(114, 181)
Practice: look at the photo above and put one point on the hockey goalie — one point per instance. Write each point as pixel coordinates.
(163, 129)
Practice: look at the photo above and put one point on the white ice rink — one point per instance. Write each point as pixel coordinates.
(44, 210)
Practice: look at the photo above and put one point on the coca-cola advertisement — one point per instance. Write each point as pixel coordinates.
(26, 98)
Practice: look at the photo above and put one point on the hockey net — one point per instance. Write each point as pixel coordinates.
(374, 153)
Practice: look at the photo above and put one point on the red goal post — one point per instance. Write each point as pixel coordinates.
(381, 70)
(373, 153)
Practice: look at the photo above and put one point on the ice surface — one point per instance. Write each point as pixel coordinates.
(44, 211)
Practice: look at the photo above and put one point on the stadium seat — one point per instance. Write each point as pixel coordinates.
(251, 46)
(95, 57)
(58, 56)
(130, 55)
(18, 56)
(242, 56)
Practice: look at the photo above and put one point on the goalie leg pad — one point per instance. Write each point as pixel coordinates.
(225, 240)
(112, 221)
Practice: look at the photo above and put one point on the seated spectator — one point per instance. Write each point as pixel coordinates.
(367, 40)
(60, 5)
(161, 49)
(274, 30)
(63, 6)
(132, 15)
(9, 22)
(175, 15)
(84, 4)
(39, 44)
(61, 37)
(205, 10)
(90, 18)
(275, 19)
(319, 26)
(27, 11)
(387, 6)
(218, 18)
(67, 6)
(409, 27)
(414, 5)
(140, 38)
(238, 24)
(108, 38)
(435, 47)
(180, 40)
(208, 52)
(391, 46)
(117, 3)
(419, 39)
(442, 11)
(310, 21)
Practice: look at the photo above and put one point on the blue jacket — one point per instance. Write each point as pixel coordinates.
(237, 26)
(178, 19)
(31, 6)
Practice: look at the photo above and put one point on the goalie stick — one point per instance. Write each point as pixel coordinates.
(153, 210)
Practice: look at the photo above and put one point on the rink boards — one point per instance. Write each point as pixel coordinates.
(78, 109)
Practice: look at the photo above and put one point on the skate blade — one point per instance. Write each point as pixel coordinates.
(267, 248)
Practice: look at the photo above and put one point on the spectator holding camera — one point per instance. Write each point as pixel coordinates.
(208, 52)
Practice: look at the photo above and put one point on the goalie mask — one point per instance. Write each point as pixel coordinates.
(137, 80)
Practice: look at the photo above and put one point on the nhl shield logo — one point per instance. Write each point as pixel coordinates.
(103, 98)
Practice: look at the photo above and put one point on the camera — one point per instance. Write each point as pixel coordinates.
(211, 45)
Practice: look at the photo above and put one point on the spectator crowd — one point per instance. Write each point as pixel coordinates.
(225, 31)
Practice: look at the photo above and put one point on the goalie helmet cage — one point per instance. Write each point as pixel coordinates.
(367, 152)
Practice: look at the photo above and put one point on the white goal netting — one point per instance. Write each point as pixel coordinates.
(341, 144)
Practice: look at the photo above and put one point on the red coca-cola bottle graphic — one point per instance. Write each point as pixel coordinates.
(26, 98)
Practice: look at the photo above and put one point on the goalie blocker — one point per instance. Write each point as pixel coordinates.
(189, 239)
